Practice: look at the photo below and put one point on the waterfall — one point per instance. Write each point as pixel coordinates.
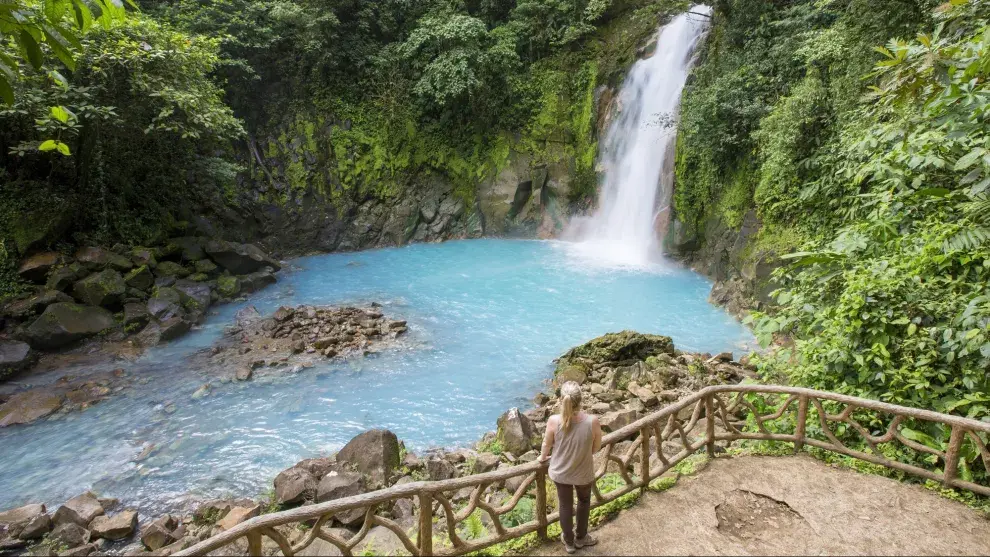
(638, 150)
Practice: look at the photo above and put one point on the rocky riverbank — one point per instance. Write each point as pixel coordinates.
(288, 341)
(623, 376)
(136, 296)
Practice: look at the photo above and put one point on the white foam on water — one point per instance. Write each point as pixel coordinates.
(637, 154)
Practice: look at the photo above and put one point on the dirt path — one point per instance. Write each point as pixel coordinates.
(790, 505)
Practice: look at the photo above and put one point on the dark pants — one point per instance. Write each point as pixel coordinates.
(565, 498)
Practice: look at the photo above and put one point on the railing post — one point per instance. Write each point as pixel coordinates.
(710, 425)
(254, 544)
(425, 537)
(802, 422)
(541, 503)
(952, 455)
(644, 458)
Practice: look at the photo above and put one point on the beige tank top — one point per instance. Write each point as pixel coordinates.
(571, 461)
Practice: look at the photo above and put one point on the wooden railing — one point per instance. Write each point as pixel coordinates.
(640, 453)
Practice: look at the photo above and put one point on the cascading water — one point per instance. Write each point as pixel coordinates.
(637, 152)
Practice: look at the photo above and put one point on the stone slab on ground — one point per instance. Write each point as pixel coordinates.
(753, 505)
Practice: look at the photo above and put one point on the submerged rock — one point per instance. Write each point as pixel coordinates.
(29, 406)
(15, 357)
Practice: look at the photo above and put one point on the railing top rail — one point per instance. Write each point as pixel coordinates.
(412, 489)
(871, 404)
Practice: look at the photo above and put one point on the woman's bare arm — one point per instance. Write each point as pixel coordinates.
(596, 431)
(548, 439)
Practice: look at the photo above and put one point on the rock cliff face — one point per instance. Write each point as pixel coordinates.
(730, 257)
(298, 201)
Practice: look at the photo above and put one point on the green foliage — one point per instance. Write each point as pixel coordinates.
(493, 445)
(35, 32)
(143, 120)
(892, 305)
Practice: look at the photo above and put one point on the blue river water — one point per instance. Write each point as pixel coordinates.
(486, 318)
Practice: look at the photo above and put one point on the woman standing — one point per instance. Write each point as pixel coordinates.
(573, 437)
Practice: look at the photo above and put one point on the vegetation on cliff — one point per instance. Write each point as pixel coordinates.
(871, 162)
(206, 107)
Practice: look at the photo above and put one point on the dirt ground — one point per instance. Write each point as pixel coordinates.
(753, 505)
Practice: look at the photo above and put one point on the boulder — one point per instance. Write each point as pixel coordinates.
(228, 286)
(36, 528)
(15, 357)
(571, 373)
(239, 259)
(116, 527)
(198, 293)
(140, 278)
(65, 276)
(14, 521)
(243, 373)
(136, 314)
(36, 268)
(338, 485)
(516, 432)
(149, 336)
(81, 510)
(440, 469)
(253, 282)
(318, 467)
(485, 462)
(189, 248)
(93, 258)
(613, 421)
(158, 534)
(105, 288)
(171, 269)
(28, 406)
(36, 304)
(120, 263)
(246, 316)
(166, 303)
(380, 541)
(205, 266)
(142, 256)
(374, 453)
(617, 347)
(70, 534)
(172, 328)
(238, 515)
(64, 323)
(644, 394)
(294, 485)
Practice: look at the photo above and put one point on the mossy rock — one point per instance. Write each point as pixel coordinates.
(105, 288)
(171, 269)
(576, 373)
(140, 278)
(613, 348)
(228, 286)
(205, 267)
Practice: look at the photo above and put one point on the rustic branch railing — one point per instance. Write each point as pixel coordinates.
(729, 412)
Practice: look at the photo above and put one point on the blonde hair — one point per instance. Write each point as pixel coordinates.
(570, 402)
